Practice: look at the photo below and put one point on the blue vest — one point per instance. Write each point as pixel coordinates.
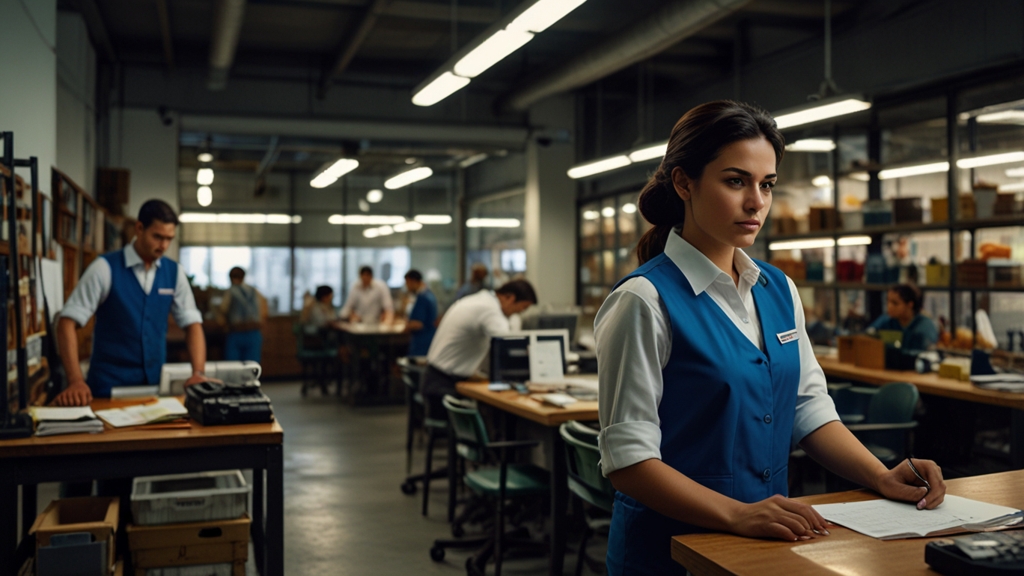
(130, 339)
(424, 310)
(726, 410)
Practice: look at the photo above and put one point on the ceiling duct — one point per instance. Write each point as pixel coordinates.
(642, 40)
(227, 26)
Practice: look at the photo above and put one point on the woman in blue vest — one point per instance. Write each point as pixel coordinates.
(707, 378)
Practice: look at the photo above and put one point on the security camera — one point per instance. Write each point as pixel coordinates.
(544, 141)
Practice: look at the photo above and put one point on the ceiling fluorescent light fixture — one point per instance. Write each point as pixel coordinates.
(603, 165)
(364, 219)
(820, 110)
(467, 162)
(236, 218)
(1015, 172)
(915, 170)
(859, 176)
(433, 219)
(440, 88)
(1015, 187)
(628, 208)
(198, 217)
(371, 233)
(1002, 117)
(492, 223)
(204, 196)
(591, 214)
(812, 243)
(204, 177)
(542, 15)
(649, 152)
(811, 145)
(406, 178)
(205, 157)
(855, 241)
(990, 160)
(330, 175)
(385, 231)
(410, 226)
(374, 196)
(490, 52)
(821, 181)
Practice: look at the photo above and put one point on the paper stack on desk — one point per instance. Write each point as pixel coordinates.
(163, 410)
(888, 520)
(51, 421)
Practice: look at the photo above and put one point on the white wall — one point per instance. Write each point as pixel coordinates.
(141, 143)
(76, 99)
(28, 105)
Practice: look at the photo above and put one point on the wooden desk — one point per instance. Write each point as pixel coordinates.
(551, 417)
(845, 551)
(947, 387)
(373, 384)
(131, 452)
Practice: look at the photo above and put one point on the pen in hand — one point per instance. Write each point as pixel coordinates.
(928, 487)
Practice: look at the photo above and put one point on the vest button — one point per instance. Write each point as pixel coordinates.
(760, 360)
(767, 474)
(767, 418)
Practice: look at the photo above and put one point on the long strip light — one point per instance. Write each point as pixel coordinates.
(497, 43)
(365, 219)
(1015, 172)
(410, 226)
(964, 163)
(915, 170)
(433, 219)
(238, 218)
(408, 177)
(493, 223)
(598, 166)
(811, 243)
(991, 160)
(1002, 117)
(649, 153)
(812, 145)
(821, 110)
(330, 174)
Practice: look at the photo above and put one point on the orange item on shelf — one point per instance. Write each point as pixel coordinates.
(992, 250)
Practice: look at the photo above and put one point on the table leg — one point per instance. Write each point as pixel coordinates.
(559, 499)
(1017, 439)
(275, 511)
(8, 527)
(259, 527)
(29, 505)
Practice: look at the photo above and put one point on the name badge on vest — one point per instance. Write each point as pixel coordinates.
(786, 337)
(166, 292)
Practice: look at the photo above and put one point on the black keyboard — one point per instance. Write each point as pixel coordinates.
(983, 554)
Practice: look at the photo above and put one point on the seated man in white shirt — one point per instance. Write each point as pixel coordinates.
(368, 301)
(464, 336)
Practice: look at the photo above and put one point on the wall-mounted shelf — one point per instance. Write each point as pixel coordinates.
(885, 287)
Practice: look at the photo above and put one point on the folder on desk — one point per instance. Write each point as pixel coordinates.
(889, 520)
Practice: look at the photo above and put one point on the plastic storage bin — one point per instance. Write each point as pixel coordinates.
(198, 497)
(223, 569)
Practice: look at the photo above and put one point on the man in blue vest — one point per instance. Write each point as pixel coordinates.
(131, 292)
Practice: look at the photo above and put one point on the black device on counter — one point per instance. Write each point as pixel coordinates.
(982, 554)
(213, 404)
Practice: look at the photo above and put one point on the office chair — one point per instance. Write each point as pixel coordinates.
(888, 422)
(495, 480)
(317, 362)
(434, 427)
(852, 402)
(586, 482)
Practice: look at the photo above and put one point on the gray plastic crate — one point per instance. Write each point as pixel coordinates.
(196, 570)
(200, 497)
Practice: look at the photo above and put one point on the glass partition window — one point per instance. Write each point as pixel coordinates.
(609, 231)
(317, 267)
(266, 268)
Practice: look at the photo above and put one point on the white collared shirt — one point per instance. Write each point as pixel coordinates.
(634, 343)
(94, 287)
(368, 303)
(464, 335)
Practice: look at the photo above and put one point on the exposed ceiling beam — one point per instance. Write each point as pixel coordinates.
(501, 136)
(431, 11)
(352, 46)
(165, 32)
(227, 26)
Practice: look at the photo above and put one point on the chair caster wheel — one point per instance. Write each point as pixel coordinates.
(458, 531)
(437, 554)
(408, 488)
(472, 569)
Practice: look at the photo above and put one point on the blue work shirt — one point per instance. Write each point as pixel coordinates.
(425, 311)
(920, 334)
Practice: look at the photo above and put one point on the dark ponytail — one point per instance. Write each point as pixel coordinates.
(696, 140)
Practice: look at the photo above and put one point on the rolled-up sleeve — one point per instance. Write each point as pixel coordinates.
(184, 307)
(92, 289)
(814, 407)
(633, 344)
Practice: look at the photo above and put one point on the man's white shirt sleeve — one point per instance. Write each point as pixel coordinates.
(92, 289)
(184, 307)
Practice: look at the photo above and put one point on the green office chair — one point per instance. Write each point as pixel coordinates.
(586, 480)
(852, 402)
(435, 428)
(495, 479)
(318, 360)
(888, 422)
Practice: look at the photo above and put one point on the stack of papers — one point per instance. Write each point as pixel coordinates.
(50, 421)
(888, 520)
(163, 410)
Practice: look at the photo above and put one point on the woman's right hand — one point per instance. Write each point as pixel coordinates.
(778, 517)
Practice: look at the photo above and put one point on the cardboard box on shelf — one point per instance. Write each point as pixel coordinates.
(1005, 204)
(940, 209)
(852, 220)
(966, 209)
(937, 275)
(1003, 273)
(784, 225)
(972, 273)
(95, 516)
(870, 353)
(822, 218)
(907, 211)
(795, 269)
(190, 543)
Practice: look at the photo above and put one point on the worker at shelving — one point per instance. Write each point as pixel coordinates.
(131, 292)
(903, 313)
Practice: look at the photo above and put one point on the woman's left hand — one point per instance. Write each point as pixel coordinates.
(900, 483)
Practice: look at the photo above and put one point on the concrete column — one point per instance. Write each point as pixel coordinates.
(550, 204)
(28, 88)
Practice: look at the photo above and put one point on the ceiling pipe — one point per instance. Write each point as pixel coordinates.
(352, 46)
(227, 26)
(649, 36)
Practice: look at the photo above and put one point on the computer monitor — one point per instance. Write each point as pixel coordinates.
(548, 321)
(510, 353)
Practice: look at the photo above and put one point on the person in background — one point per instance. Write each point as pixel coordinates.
(477, 281)
(420, 314)
(131, 292)
(707, 378)
(464, 337)
(319, 312)
(245, 310)
(368, 301)
(903, 313)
